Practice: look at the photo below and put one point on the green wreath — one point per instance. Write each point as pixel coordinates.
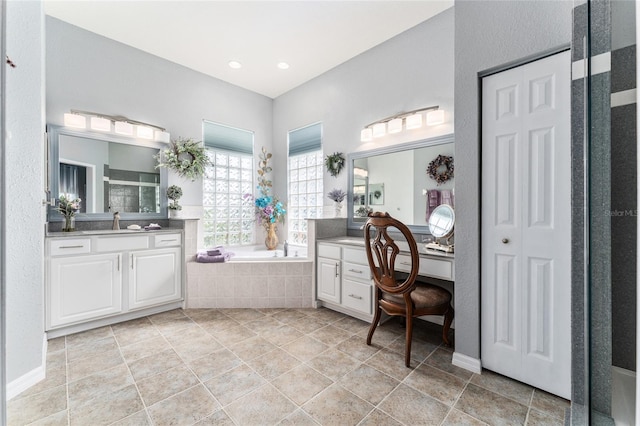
(434, 171)
(334, 163)
(186, 157)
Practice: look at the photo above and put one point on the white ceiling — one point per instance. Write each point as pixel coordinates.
(312, 36)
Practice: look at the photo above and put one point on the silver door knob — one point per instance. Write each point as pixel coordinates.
(505, 240)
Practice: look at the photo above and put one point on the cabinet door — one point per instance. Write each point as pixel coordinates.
(329, 280)
(83, 288)
(155, 277)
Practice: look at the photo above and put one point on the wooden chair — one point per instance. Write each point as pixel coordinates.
(405, 297)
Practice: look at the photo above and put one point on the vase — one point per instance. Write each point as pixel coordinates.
(272, 239)
(338, 207)
(69, 224)
(174, 214)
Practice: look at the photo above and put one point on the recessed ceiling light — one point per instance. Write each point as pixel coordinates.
(235, 64)
(283, 65)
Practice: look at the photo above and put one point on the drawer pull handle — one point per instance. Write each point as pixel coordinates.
(355, 270)
(355, 297)
(66, 247)
(405, 263)
(167, 241)
(337, 266)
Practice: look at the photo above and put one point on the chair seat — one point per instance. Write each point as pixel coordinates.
(424, 296)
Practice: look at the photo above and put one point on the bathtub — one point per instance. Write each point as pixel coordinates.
(254, 278)
(259, 253)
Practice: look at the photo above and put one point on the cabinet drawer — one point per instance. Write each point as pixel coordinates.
(70, 246)
(428, 267)
(328, 250)
(356, 295)
(356, 270)
(122, 243)
(355, 255)
(167, 240)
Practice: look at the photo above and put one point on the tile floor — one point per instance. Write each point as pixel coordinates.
(268, 366)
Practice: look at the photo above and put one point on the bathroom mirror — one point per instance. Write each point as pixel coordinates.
(441, 221)
(399, 175)
(108, 173)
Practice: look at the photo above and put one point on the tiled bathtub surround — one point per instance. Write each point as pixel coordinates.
(265, 367)
(268, 284)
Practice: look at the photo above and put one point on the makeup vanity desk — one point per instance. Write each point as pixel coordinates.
(344, 282)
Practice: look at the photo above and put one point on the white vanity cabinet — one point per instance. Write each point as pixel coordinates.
(344, 280)
(110, 278)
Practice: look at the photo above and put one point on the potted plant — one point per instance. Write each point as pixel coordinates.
(68, 208)
(337, 195)
(174, 192)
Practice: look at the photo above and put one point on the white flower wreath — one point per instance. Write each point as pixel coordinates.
(434, 166)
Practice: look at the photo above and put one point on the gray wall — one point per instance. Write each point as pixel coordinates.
(488, 34)
(409, 71)
(24, 191)
(89, 72)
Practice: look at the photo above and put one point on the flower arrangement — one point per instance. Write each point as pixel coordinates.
(174, 192)
(68, 208)
(337, 195)
(269, 210)
(187, 157)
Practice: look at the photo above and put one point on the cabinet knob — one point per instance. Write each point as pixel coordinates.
(505, 241)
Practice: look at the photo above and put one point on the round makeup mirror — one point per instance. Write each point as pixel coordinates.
(441, 221)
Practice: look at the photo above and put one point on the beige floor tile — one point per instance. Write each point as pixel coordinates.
(441, 359)
(197, 347)
(413, 408)
(368, 383)
(352, 325)
(175, 326)
(550, 404)
(298, 418)
(108, 408)
(219, 418)
(326, 314)
(378, 418)
(57, 359)
(331, 335)
(263, 406)
(54, 378)
(134, 324)
(436, 383)
(264, 324)
(252, 347)
(58, 419)
(290, 316)
(88, 336)
(166, 384)
(98, 385)
(505, 386)
(169, 316)
(491, 407)
(305, 348)
(458, 418)
(281, 335)
(91, 365)
(91, 348)
(231, 336)
(538, 418)
(144, 348)
(309, 324)
(301, 384)
(337, 406)
(203, 316)
(22, 411)
(214, 364)
(222, 323)
(56, 344)
(420, 349)
(333, 363)
(154, 364)
(391, 363)
(383, 336)
(244, 315)
(141, 418)
(128, 336)
(274, 363)
(356, 346)
(185, 408)
(235, 383)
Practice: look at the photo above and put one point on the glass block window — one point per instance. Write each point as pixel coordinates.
(305, 180)
(228, 217)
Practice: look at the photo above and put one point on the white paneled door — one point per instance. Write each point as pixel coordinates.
(526, 224)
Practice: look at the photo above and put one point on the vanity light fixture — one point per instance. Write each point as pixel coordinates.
(393, 124)
(122, 125)
(75, 120)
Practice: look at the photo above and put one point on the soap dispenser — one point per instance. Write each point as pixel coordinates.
(286, 248)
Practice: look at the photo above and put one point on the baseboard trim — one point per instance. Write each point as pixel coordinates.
(463, 361)
(29, 379)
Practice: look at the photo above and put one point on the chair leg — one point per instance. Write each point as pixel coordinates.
(374, 324)
(448, 319)
(407, 353)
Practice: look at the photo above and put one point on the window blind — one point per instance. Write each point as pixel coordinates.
(306, 139)
(227, 138)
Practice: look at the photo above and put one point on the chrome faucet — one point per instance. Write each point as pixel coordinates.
(116, 221)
